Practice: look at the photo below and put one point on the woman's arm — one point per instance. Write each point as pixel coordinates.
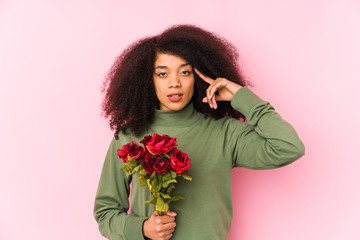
(111, 202)
(266, 141)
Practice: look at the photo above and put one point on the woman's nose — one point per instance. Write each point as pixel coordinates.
(174, 81)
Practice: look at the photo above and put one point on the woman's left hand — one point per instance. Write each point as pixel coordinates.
(226, 89)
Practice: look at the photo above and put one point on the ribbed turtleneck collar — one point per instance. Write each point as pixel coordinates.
(182, 118)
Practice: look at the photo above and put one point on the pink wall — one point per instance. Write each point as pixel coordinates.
(303, 57)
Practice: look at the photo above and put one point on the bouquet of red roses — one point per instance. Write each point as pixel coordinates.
(158, 163)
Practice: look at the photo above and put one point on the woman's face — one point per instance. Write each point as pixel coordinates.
(174, 81)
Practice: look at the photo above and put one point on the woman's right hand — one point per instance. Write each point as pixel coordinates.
(160, 227)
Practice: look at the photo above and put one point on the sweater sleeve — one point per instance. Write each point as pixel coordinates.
(266, 141)
(111, 201)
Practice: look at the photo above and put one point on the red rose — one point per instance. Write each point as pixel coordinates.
(122, 153)
(180, 161)
(161, 165)
(145, 154)
(134, 150)
(148, 163)
(161, 144)
(146, 139)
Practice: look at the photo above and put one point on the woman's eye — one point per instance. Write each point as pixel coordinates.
(185, 72)
(162, 74)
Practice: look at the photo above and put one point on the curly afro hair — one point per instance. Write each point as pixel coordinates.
(130, 99)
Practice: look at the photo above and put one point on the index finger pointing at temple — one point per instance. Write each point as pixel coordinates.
(203, 77)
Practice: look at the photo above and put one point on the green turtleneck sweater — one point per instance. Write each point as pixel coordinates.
(215, 146)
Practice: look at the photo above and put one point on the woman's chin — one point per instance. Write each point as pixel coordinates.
(173, 106)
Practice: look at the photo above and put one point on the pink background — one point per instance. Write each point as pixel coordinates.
(302, 56)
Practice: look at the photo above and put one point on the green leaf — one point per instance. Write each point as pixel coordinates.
(142, 172)
(156, 184)
(138, 168)
(170, 188)
(166, 176)
(143, 180)
(173, 174)
(187, 177)
(165, 155)
(161, 205)
(166, 196)
(148, 181)
(174, 198)
(166, 183)
(159, 177)
(152, 201)
(133, 162)
(129, 169)
(153, 175)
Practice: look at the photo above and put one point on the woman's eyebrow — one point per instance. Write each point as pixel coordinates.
(182, 65)
(161, 67)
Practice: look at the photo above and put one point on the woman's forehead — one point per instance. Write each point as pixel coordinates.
(167, 60)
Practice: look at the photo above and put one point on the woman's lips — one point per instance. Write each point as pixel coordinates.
(175, 97)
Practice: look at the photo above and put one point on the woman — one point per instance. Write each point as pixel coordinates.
(185, 83)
